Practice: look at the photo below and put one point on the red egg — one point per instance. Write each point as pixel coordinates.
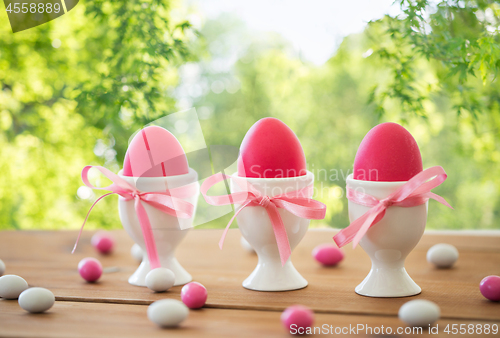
(271, 149)
(155, 152)
(388, 153)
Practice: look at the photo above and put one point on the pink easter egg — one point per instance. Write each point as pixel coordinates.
(388, 153)
(90, 269)
(270, 149)
(155, 152)
(103, 242)
(490, 288)
(194, 295)
(328, 254)
(297, 318)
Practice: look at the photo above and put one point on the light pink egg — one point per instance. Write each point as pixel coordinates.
(155, 152)
(194, 295)
(328, 254)
(103, 242)
(297, 318)
(490, 288)
(90, 269)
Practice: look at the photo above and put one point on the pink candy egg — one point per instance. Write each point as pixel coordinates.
(194, 295)
(490, 288)
(103, 242)
(155, 152)
(297, 318)
(328, 254)
(90, 269)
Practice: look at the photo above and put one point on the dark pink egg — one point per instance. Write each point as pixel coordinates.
(388, 153)
(155, 152)
(90, 269)
(490, 288)
(194, 295)
(271, 149)
(328, 254)
(297, 318)
(103, 242)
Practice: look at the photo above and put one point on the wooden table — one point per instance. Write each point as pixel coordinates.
(114, 308)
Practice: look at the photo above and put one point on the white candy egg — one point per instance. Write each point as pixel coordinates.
(136, 252)
(11, 286)
(160, 279)
(419, 312)
(167, 312)
(36, 300)
(442, 255)
(2, 267)
(246, 245)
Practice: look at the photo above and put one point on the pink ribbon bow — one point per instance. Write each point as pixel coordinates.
(415, 192)
(294, 202)
(168, 201)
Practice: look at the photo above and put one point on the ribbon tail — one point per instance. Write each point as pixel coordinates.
(86, 217)
(221, 242)
(439, 199)
(366, 225)
(147, 233)
(280, 233)
(357, 228)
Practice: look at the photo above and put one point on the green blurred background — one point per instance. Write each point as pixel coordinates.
(74, 90)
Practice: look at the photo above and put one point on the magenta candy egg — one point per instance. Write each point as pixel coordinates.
(490, 288)
(103, 242)
(328, 254)
(194, 295)
(297, 318)
(90, 269)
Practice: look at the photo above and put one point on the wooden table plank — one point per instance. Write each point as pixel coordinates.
(43, 258)
(70, 319)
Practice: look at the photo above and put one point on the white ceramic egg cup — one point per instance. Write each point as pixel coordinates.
(167, 229)
(256, 228)
(388, 242)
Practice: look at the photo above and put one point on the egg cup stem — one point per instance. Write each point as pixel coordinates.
(388, 242)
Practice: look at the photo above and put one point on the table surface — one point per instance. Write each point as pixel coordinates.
(112, 307)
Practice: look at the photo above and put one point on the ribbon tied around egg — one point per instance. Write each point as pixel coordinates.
(169, 201)
(416, 191)
(295, 202)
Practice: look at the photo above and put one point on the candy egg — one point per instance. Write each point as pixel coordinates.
(490, 288)
(328, 254)
(36, 300)
(245, 245)
(297, 317)
(11, 286)
(155, 152)
(2, 267)
(442, 255)
(270, 149)
(103, 242)
(194, 295)
(136, 252)
(160, 279)
(167, 312)
(90, 269)
(388, 153)
(419, 312)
